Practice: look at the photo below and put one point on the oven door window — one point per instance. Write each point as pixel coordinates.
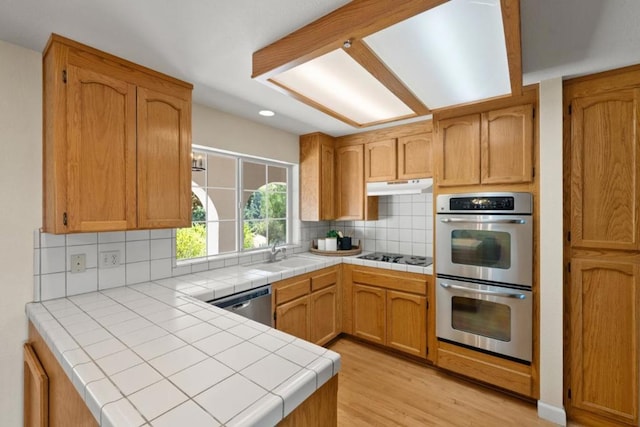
(479, 317)
(484, 248)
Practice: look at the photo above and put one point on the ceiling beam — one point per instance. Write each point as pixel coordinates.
(511, 24)
(355, 20)
(364, 56)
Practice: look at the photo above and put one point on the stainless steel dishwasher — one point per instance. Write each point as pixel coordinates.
(254, 304)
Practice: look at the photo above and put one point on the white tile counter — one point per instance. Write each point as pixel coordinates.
(156, 354)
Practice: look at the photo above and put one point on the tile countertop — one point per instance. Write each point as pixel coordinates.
(157, 354)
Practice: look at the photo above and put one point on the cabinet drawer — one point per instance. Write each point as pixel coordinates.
(292, 291)
(396, 282)
(324, 280)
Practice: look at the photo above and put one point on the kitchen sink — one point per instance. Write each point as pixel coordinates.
(270, 267)
(295, 262)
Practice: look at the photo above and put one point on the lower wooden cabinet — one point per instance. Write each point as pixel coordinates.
(308, 306)
(390, 308)
(57, 404)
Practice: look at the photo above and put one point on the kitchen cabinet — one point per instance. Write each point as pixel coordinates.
(308, 306)
(351, 200)
(317, 157)
(59, 404)
(390, 308)
(494, 147)
(602, 247)
(117, 143)
(604, 338)
(400, 158)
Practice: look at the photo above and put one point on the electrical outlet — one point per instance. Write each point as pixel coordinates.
(78, 263)
(109, 259)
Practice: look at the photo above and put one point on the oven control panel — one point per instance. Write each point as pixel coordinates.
(481, 203)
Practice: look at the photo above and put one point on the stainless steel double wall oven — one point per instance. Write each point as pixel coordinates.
(484, 271)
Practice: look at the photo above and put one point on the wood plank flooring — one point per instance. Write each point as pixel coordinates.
(380, 389)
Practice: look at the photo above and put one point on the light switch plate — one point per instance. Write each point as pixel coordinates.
(78, 263)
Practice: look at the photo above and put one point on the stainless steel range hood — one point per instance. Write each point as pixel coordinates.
(412, 186)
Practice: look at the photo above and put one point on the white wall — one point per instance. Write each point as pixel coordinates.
(20, 211)
(550, 405)
(216, 129)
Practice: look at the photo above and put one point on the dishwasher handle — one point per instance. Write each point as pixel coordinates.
(241, 305)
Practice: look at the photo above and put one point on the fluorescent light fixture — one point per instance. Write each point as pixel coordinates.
(452, 54)
(266, 113)
(339, 83)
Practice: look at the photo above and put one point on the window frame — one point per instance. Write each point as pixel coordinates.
(240, 159)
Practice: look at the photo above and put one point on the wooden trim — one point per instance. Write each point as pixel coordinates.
(367, 58)
(329, 32)
(425, 126)
(511, 25)
(109, 58)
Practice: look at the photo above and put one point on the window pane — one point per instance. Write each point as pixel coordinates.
(221, 237)
(223, 204)
(277, 231)
(191, 242)
(221, 171)
(255, 234)
(277, 174)
(199, 177)
(197, 209)
(254, 175)
(254, 205)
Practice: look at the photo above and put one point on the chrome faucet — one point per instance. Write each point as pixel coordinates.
(273, 254)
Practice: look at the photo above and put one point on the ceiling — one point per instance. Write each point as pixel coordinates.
(210, 43)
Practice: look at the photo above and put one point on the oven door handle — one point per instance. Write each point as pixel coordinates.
(483, 221)
(482, 291)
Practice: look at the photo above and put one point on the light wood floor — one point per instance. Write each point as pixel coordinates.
(380, 389)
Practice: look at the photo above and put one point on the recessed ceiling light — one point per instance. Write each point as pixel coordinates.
(267, 113)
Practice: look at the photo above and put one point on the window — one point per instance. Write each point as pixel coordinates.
(222, 225)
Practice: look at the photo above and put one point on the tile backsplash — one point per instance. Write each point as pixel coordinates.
(404, 225)
(144, 255)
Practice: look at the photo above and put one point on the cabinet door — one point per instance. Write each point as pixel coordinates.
(507, 145)
(369, 313)
(414, 156)
(380, 160)
(407, 322)
(164, 160)
(327, 188)
(605, 170)
(36, 390)
(459, 151)
(101, 152)
(324, 315)
(350, 183)
(293, 317)
(316, 177)
(604, 337)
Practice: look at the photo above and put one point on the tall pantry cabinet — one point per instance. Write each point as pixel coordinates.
(602, 212)
(117, 143)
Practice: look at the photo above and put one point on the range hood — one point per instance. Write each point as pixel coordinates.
(412, 186)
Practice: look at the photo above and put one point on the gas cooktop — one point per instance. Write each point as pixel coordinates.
(419, 261)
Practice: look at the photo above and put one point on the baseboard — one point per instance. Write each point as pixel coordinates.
(552, 413)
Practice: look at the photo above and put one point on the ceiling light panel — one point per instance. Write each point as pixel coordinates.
(452, 54)
(339, 83)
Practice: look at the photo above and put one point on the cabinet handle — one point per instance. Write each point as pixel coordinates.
(483, 221)
(482, 291)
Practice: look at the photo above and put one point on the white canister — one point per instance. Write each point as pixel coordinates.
(321, 244)
(331, 243)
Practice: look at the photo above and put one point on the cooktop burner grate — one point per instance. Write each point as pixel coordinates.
(420, 261)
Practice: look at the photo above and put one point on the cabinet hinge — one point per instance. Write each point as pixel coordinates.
(274, 316)
(570, 109)
(427, 350)
(427, 305)
(533, 172)
(64, 76)
(64, 218)
(569, 393)
(568, 236)
(534, 113)
(569, 267)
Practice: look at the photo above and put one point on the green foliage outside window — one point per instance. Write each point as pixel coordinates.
(265, 216)
(191, 242)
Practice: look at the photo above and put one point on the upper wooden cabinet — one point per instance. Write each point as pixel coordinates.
(495, 147)
(117, 143)
(351, 200)
(317, 176)
(397, 159)
(605, 169)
